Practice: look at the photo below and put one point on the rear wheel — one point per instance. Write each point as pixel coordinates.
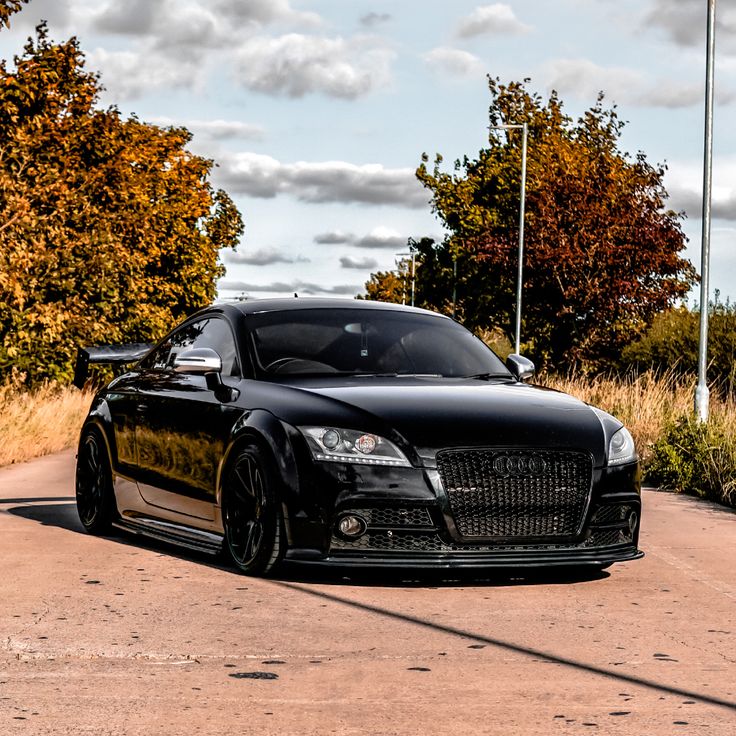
(251, 514)
(94, 491)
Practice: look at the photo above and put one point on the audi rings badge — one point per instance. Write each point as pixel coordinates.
(517, 465)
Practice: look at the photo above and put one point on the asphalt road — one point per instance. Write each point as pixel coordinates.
(122, 636)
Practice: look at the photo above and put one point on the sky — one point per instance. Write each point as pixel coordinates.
(317, 112)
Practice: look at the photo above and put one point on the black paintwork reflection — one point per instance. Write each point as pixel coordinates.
(181, 433)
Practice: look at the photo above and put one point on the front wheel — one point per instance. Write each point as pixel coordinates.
(251, 514)
(95, 497)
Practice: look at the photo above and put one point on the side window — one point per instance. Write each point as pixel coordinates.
(216, 334)
(207, 333)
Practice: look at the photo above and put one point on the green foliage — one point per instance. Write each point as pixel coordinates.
(672, 342)
(695, 458)
(109, 227)
(602, 252)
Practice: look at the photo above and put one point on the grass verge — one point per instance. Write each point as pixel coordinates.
(39, 422)
(677, 453)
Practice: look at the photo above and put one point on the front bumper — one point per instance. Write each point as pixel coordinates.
(410, 524)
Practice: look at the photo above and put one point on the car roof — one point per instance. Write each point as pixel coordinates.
(257, 306)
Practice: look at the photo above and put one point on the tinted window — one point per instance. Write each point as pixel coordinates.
(208, 333)
(367, 341)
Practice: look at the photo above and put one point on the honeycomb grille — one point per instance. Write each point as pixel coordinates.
(431, 542)
(516, 493)
(611, 514)
(394, 516)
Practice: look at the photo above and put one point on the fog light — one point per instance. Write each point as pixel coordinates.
(351, 526)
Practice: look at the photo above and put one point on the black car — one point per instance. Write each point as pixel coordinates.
(350, 432)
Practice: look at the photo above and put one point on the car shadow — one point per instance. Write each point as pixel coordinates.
(63, 514)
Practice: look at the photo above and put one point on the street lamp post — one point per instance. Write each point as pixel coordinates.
(702, 392)
(522, 203)
(412, 254)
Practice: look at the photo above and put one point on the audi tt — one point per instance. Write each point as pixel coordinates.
(355, 433)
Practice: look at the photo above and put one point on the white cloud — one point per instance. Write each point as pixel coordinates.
(334, 237)
(584, 79)
(262, 257)
(261, 12)
(134, 17)
(684, 182)
(455, 62)
(331, 181)
(216, 129)
(371, 20)
(294, 65)
(130, 74)
(498, 18)
(684, 22)
(379, 237)
(289, 287)
(358, 263)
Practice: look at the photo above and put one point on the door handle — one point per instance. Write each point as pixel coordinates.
(140, 408)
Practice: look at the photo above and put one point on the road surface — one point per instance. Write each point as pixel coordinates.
(122, 636)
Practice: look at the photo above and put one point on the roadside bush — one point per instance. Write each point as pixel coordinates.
(671, 343)
(695, 458)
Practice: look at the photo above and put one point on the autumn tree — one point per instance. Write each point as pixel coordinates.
(602, 250)
(109, 227)
(7, 8)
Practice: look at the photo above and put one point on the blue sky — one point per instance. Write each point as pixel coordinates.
(318, 111)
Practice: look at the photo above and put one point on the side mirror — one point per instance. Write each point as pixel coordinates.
(520, 366)
(198, 362)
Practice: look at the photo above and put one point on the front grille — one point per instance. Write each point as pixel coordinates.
(431, 542)
(611, 514)
(394, 516)
(496, 493)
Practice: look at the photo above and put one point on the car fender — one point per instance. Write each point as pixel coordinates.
(262, 428)
(99, 417)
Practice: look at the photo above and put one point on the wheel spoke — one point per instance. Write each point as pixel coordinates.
(244, 504)
(253, 540)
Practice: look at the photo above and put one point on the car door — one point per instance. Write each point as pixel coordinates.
(182, 427)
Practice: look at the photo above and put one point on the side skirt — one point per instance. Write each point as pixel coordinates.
(166, 531)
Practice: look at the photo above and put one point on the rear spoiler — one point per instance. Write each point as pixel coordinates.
(113, 354)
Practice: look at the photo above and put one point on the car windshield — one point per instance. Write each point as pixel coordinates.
(368, 342)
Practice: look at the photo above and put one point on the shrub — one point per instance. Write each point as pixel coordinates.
(696, 458)
(671, 343)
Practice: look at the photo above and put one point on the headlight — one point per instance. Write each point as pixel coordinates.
(350, 446)
(621, 448)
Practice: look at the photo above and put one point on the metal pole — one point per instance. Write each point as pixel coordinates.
(519, 279)
(454, 284)
(522, 204)
(412, 278)
(701, 392)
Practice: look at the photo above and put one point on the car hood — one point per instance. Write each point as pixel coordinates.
(431, 414)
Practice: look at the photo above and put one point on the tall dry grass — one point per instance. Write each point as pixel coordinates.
(645, 403)
(39, 422)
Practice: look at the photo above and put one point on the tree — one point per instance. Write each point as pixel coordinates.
(602, 252)
(109, 227)
(7, 8)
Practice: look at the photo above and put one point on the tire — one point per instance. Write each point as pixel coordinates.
(251, 514)
(94, 491)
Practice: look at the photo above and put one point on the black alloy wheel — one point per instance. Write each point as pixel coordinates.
(251, 514)
(95, 498)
